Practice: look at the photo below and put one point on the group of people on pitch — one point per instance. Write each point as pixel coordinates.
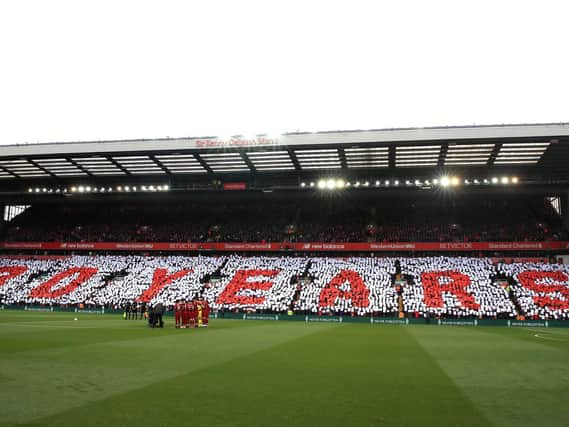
(191, 314)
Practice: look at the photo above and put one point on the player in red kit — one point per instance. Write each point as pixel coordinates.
(185, 314)
(191, 314)
(205, 313)
(178, 312)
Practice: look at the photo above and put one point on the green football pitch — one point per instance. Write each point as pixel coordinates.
(106, 371)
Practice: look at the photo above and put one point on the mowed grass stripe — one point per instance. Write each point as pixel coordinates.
(359, 375)
(514, 378)
(51, 380)
(65, 332)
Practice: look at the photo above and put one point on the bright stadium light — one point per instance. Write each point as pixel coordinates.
(321, 184)
(81, 189)
(312, 184)
(366, 184)
(396, 182)
(126, 188)
(357, 184)
(408, 182)
(30, 190)
(467, 182)
(455, 181)
(445, 181)
(348, 184)
(486, 181)
(88, 189)
(37, 190)
(73, 189)
(494, 180)
(435, 181)
(476, 181)
(505, 180)
(417, 182)
(133, 188)
(144, 188)
(330, 184)
(387, 183)
(377, 183)
(166, 187)
(515, 180)
(340, 183)
(303, 184)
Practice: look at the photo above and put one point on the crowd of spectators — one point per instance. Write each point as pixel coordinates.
(309, 221)
(353, 285)
(541, 290)
(457, 287)
(362, 286)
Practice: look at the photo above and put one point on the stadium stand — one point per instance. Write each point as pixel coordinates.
(427, 287)
(466, 219)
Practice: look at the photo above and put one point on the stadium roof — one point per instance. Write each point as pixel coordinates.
(533, 147)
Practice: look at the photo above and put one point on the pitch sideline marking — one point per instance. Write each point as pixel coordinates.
(550, 338)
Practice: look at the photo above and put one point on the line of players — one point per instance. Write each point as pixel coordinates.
(191, 314)
(134, 311)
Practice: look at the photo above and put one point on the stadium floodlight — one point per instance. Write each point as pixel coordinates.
(417, 182)
(166, 187)
(377, 183)
(515, 180)
(366, 184)
(303, 184)
(435, 181)
(340, 183)
(321, 184)
(455, 181)
(30, 190)
(494, 180)
(312, 184)
(133, 188)
(102, 190)
(110, 189)
(44, 190)
(505, 180)
(126, 188)
(408, 182)
(486, 181)
(330, 184)
(476, 181)
(445, 181)
(152, 188)
(144, 188)
(467, 182)
(88, 189)
(119, 188)
(396, 182)
(427, 182)
(387, 183)
(348, 184)
(73, 189)
(357, 184)
(37, 190)
(81, 189)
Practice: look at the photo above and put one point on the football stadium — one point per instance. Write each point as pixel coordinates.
(413, 276)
